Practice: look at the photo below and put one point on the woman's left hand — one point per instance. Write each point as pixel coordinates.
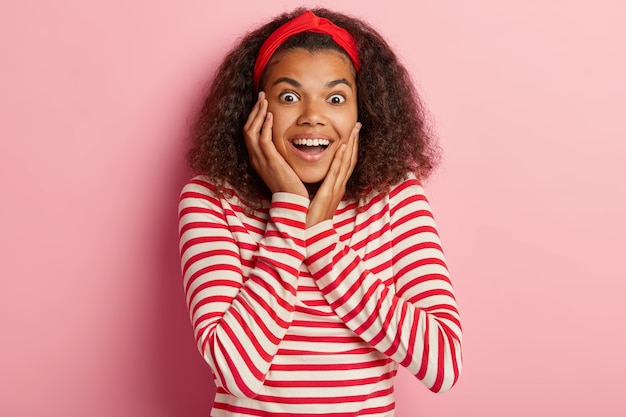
(333, 188)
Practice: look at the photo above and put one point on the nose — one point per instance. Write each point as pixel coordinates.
(312, 113)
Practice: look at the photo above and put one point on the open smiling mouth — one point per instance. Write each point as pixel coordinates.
(311, 146)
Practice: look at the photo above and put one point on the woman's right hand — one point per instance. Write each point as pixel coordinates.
(264, 158)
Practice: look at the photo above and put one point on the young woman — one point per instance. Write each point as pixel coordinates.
(311, 262)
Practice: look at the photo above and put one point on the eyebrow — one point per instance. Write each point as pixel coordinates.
(295, 83)
(287, 80)
(339, 81)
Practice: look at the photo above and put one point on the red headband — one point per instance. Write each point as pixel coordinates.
(306, 22)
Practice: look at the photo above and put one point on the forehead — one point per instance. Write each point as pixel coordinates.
(325, 65)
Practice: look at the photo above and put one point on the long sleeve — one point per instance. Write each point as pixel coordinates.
(418, 324)
(240, 306)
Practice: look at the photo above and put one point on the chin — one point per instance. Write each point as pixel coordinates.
(312, 179)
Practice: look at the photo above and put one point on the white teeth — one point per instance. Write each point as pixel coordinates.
(311, 142)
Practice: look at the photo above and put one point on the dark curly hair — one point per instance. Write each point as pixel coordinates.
(394, 139)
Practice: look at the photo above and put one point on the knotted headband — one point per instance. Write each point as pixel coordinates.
(306, 22)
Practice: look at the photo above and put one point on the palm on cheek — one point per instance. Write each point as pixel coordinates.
(333, 187)
(264, 158)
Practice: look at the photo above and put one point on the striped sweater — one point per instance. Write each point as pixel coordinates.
(297, 321)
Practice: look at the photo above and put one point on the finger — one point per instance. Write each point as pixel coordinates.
(266, 143)
(265, 140)
(266, 129)
(335, 166)
(253, 113)
(342, 161)
(349, 157)
(257, 115)
(252, 135)
(355, 148)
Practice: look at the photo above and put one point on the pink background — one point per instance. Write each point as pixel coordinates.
(528, 98)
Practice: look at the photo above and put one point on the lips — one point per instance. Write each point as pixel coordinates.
(311, 147)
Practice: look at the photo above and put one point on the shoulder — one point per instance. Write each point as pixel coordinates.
(199, 184)
(408, 204)
(200, 191)
(408, 192)
(405, 196)
(410, 187)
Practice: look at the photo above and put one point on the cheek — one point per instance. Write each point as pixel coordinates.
(278, 124)
(278, 113)
(350, 114)
(278, 132)
(346, 123)
(282, 121)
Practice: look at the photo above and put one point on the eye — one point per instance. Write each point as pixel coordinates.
(336, 99)
(289, 97)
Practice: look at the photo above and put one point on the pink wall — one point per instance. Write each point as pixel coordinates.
(528, 99)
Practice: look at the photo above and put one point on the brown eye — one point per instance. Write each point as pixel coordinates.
(336, 99)
(289, 97)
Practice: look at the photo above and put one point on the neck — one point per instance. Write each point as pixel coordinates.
(312, 188)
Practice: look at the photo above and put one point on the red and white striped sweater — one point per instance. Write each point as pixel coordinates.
(303, 322)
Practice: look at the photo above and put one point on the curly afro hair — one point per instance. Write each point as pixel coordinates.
(394, 139)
